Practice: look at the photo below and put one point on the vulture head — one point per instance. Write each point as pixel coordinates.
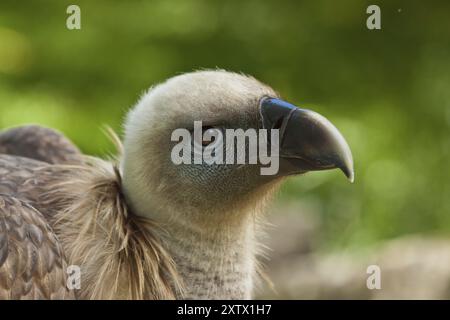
(151, 226)
(210, 210)
(156, 187)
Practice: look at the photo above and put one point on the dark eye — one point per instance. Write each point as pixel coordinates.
(209, 135)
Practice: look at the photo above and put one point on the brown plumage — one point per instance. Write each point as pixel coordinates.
(70, 194)
(39, 143)
(32, 263)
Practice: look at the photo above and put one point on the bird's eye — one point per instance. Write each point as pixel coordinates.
(209, 136)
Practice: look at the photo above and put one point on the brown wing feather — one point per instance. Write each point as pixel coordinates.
(14, 174)
(32, 264)
(28, 180)
(39, 143)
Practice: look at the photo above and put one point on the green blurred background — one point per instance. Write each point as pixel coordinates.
(387, 90)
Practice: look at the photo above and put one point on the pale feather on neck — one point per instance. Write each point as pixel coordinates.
(216, 263)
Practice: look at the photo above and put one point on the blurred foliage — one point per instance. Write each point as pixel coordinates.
(387, 90)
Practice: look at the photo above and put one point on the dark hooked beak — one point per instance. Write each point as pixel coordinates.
(308, 141)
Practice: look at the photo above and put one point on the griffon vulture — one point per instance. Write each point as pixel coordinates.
(140, 226)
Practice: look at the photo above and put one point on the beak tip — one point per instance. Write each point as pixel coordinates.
(351, 178)
(349, 173)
